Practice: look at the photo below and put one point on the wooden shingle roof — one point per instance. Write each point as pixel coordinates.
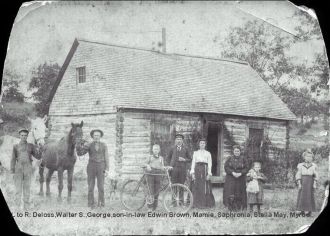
(135, 78)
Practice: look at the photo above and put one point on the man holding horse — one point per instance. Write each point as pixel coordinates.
(21, 166)
(98, 166)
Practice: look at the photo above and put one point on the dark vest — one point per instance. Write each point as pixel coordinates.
(176, 154)
(97, 155)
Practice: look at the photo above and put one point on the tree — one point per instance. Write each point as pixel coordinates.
(10, 88)
(299, 101)
(262, 47)
(41, 83)
(309, 30)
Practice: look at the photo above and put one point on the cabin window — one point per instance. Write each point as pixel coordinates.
(161, 134)
(255, 141)
(81, 74)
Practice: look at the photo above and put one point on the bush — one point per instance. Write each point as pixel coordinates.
(281, 169)
(308, 125)
(15, 115)
(323, 151)
(302, 130)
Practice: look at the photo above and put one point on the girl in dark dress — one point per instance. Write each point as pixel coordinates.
(306, 178)
(234, 192)
(201, 167)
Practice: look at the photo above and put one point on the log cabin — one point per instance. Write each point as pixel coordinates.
(139, 97)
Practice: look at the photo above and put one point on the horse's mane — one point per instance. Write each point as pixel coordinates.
(70, 147)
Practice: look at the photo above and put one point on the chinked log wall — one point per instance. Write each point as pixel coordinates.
(128, 134)
(239, 130)
(61, 125)
(137, 135)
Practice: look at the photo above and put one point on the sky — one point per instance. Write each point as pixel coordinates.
(44, 31)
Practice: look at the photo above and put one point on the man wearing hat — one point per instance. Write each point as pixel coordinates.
(98, 166)
(21, 166)
(180, 159)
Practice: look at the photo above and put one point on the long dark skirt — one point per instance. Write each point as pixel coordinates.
(234, 193)
(306, 201)
(202, 189)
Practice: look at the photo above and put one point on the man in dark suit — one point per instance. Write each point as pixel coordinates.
(180, 159)
(98, 166)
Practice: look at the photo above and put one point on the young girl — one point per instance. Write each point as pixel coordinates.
(155, 167)
(254, 187)
(306, 178)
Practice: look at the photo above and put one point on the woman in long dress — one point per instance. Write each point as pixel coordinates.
(201, 167)
(234, 192)
(306, 178)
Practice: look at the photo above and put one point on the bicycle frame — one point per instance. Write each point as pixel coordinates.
(144, 178)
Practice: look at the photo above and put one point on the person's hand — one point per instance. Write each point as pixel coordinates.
(106, 173)
(148, 168)
(193, 176)
(182, 159)
(208, 177)
(234, 174)
(299, 185)
(314, 185)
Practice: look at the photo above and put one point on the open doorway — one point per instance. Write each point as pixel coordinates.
(213, 136)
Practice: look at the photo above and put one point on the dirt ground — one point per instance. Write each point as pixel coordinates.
(113, 219)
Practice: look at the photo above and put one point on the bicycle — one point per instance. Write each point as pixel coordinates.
(136, 193)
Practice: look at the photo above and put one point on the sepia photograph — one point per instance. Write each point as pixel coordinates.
(165, 117)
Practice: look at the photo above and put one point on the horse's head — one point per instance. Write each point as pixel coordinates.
(76, 132)
(38, 130)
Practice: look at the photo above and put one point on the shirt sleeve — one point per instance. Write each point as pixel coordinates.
(245, 166)
(13, 159)
(249, 176)
(106, 156)
(169, 157)
(228, 169)
(316, 175)
(209, 163)
(262, 177)
(298, 174)
(161, 160)
(148, 160)
(192, 170)
(188, 157)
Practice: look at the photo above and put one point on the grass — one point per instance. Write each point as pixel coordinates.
(276, 200)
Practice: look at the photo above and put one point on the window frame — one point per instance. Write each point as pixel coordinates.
(81, 74)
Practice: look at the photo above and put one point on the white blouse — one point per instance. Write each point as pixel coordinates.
(202, 156)
(305, 169)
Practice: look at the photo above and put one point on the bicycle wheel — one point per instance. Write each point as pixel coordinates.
(177, 198)
(132, 195)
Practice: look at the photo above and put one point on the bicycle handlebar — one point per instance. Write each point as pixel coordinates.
(166, 168)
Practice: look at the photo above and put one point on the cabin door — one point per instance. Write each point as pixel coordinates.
(214, 147)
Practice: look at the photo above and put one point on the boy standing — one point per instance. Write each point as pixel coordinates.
(155, 170)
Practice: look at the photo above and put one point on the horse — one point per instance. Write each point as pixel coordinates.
(60, 156)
